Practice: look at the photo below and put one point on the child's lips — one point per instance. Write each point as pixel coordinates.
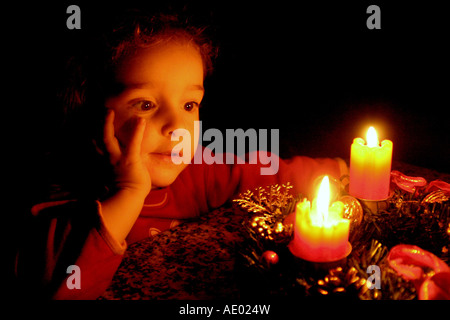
(168, 155)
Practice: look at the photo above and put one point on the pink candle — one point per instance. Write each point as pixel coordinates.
(320, 231)
(370, 167)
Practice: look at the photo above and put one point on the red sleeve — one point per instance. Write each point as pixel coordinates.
(61, 234)
(225, 181)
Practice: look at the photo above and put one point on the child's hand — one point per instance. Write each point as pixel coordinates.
(130, 171)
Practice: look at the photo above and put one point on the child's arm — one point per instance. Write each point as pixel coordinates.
(88, 234)
(226, 181)
(62, 234)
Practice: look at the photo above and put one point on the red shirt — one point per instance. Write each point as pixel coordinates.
(71, 232)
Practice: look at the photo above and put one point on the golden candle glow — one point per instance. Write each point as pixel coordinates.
(320, 231)
(323, 199)
(370, 167)
(372, 138)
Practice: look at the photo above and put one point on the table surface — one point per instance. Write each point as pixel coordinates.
(196, 260)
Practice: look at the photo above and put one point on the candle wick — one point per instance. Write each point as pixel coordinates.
(325, 216)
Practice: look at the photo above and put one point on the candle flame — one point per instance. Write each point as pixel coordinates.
(323, 198)
(372, 138)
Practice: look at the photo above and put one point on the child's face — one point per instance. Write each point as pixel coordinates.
(164, 85)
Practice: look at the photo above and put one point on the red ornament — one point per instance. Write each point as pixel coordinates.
(439, 185)
(430, 275)
(270, 258)
(407, 183)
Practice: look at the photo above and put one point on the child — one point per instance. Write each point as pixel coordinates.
(152, 86)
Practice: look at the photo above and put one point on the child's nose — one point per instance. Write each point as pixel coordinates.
(172, 120)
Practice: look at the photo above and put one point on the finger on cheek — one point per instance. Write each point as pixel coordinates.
(142, 124)
(138, 127)
(139, 130)
(134, 131)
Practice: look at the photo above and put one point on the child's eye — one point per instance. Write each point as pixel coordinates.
(144, 105)
(189, 106)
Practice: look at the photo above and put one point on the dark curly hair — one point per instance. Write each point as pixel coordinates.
(144, 31)
(91, 79)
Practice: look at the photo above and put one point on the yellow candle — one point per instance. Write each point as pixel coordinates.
(320, 231)
(370, 167)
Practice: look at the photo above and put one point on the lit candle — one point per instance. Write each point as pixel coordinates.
(370, 167)
(320, 231)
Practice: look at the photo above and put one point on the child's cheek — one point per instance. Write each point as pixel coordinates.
(194, 143)
(124, 130)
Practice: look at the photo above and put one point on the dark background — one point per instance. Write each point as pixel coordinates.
(312, 70)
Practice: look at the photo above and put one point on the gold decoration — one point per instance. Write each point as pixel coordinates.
(353, 211)
(271, 199)
(337, 281)
(270, 205)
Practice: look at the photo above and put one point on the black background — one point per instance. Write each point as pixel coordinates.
(312, 70)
